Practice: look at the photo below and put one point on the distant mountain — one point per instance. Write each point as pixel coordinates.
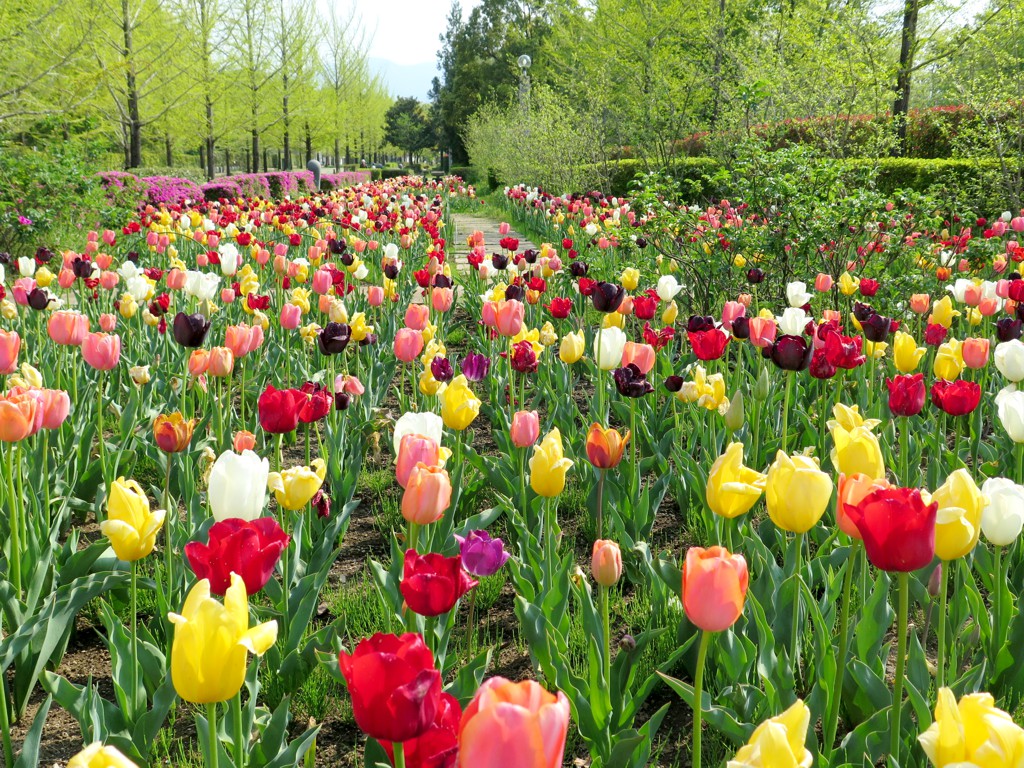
(406, 79)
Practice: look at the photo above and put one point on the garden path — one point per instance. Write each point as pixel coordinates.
(466, 224)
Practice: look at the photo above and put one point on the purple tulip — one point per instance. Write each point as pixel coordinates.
(482, 555)
(441, 369)
(476, 366)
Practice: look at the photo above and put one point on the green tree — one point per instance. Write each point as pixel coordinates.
(406, 126)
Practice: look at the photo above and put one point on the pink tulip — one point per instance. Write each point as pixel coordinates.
(988, 307)
(640, 355)
(227, 295)
(972, 295)
(488, 314)
(417, 316)
(1003, 289)
(414, 450)
(67, 328)
(212, 241)
(10, 345)
(408, 344)
(108, 322)
(291, 317)
(823, 282)
(442, 299)
(1017, 223)
(104, 260)
(509, 314)
(262, 257)
(375, 295)
(525, 428)
(504, 228)
(54, 406)
(732, 311)
(109, 280)
(348, 384)
(176, 279)
(65, 279)
(109, 237)
(762, 332)
(102, 351)
(203, 260)
(322, 281)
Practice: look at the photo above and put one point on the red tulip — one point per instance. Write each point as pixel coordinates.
(708, 345)
(559, 307)
(432, 583)
(868, 287)
(956, 398)
(316, 402)
(279, 409)
(898, 528)
(906, 394)
(438, 747)
(250, 549)
(844, 351)
(394, 686)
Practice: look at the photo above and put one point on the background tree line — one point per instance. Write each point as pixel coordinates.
(659, 79)
(249, 84)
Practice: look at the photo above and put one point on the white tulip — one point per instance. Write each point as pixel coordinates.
(425, 424)
(361, 272)
(797, 294)
(1003, 518)
(608, 346)
(793, 321)
(128, 270)
(228, 259)
(1006, 216)
(591, 229)
(140, 288)
(391, 251)
(1009, 359)
(238, 485)
(201, 285)
(959, 288)
(26, 266)
(668, 287)
(1010, 405)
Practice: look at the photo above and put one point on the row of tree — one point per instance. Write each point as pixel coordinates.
(649, 73)
(159, 80)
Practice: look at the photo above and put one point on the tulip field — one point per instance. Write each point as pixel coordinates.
(334, 480)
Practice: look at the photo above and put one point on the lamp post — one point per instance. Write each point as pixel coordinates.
(524, 62)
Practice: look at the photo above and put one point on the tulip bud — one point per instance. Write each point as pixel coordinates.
(734, 416)
(761, 388)
(627, 643)
(244, 441)
(935, 581)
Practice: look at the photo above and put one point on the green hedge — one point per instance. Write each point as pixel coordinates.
(977, 179)
(390, 173)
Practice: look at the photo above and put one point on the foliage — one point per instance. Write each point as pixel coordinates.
(406, 126)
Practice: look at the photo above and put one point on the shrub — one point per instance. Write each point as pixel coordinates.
(171, 190)
(467, 173)
(197, 175)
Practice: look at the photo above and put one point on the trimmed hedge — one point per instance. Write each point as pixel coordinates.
(890, 174)
(379, 174)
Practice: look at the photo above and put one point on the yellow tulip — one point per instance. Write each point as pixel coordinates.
(797, 492)
(958, 522)
(857, 452)
(44, 277)
(428, 385)
(943, 312)
(616, 319)
(974, 316)
(778, 742)
(130, 525)
(847, 285)
(548, 465)
(949, 360)
(29, 378)
(97, 755)
(294, 487)
(300, 298)
(548, 336)
(972, 732)
(360, 328)
(905, 352)
(127, 307)
(732, 488)
(309, 333)
(630, 278)
(572, 347)
(848, 417)
(208, 655)
(531, 335)
(668, 317)
(459, 406)
(875, 349)
(739, 261)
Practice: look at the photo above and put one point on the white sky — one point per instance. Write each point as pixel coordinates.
(405, 31)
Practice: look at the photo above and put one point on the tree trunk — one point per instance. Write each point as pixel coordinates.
(202, 156)
(256, 152)
(908, 44)
(134, 148)
(227, 161)
(210, 141)
(168, 150)
(309, 142)
(337, 154)
(716, 70)
(266, 167)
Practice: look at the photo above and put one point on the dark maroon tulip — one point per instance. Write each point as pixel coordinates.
(631, 382)
(755, 276)
(1008, 328)
(741, 328)
(579, 269)
(790, 353)
(607, 297)
(475, 366)
(674, 383)
(821, 367)
(515, 291)
(441, 369)
(190, 330)
(878, 327)
(333, 339)
(700, 323)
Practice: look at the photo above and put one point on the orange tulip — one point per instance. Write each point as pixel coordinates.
(173, 432)
(19, 415)
(606, 563)
(427, 494)
(714, 587)
(222, 362)
(244, 441)
(920, 303)
(198, 362)
(852, 490)
(513, 724)
(640, 355)
(975, 352)
(10, 345)
(508, 316)
(605, 446)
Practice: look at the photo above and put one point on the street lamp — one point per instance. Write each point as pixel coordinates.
(524, 63)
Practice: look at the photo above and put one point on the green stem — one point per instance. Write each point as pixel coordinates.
(240, 740)
(698, 692)
(413, 536)
(794, 644)
(1020, 463)
(46, 479)
(901, 660)
(5, 720)
(522, 485)
(941, 630)
(99, 425)
(998, 616)
(470, 623)
(597, 378)
(15, 525)
(135, 638)
(606, 618)
(172, 513)
(399, 748)
(844, 630)
(600, 504)
(211, 723)
(905, 451)
(785, 411)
